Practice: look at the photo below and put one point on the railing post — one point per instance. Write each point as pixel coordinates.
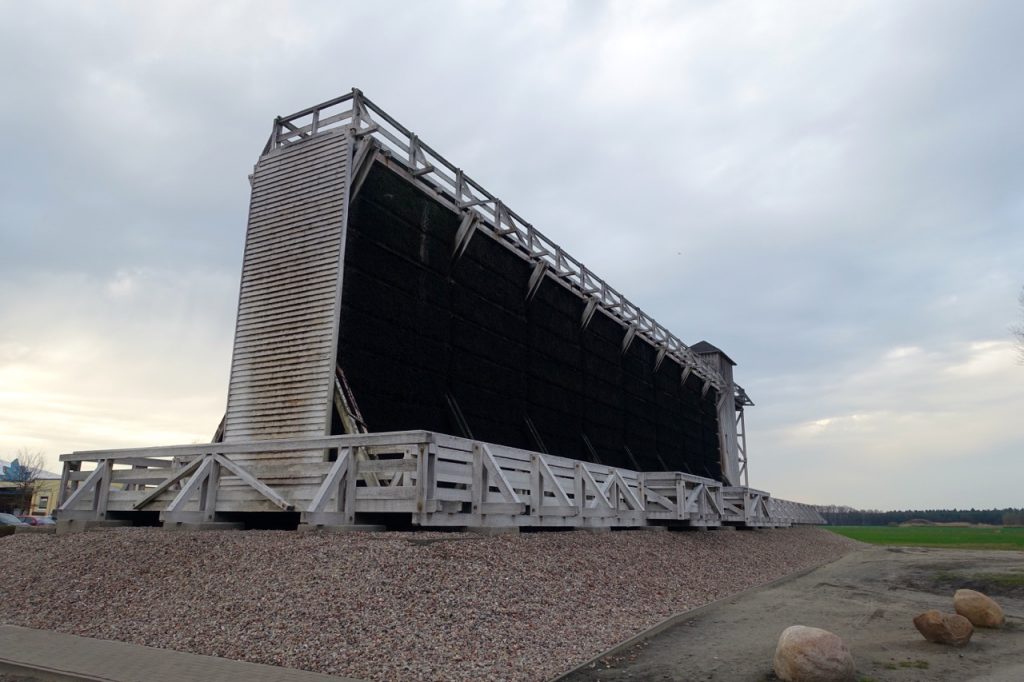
(350, 488)
(579, 490)
(275, 139)
(478, 491)
(208, 494)
(425, 478)
(357, 109)
(681, 506)
(65, 480)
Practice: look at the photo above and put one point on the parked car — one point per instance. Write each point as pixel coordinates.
(10, 520)
(37, 520)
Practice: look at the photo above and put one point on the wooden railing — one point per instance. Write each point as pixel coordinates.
(434, 480)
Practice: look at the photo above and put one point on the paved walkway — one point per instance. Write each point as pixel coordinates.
(49, 655)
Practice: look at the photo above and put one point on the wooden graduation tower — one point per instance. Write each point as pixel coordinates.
(408, 347)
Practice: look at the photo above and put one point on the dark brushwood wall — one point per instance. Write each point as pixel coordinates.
(417, 327)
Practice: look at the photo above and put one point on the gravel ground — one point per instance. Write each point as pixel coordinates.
(378, 606)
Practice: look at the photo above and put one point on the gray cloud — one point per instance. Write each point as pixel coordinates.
(811, 186)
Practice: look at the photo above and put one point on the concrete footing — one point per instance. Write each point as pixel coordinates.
(350, 528)
(203, 525)
(493, 530)
(83, 525)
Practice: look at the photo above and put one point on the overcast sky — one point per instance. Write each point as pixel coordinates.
(831, 192)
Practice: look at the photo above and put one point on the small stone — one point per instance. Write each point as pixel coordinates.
(976, 607)
(944, 628)
(806, 654)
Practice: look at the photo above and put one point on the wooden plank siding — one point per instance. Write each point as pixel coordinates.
(282, 368)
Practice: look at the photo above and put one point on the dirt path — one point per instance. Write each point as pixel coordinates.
(869, 598)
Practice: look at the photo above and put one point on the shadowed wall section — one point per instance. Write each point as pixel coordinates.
(432, 342)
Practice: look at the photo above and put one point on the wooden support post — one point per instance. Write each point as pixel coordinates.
(90, 483)
(192, 487)
(65, 481)
(681, 508)
(536, 486)
(102, 495)
(208, 502)
(478, 491)
(579, 489)
(350, 492)
(254, 483)
(167, 483)
(662, 352)
(588, 312)
(425, 482)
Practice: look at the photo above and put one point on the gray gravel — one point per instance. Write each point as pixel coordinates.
(381, 606)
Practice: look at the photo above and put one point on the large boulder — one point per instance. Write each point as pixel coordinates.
(806, 654)
(978, 608)
(944, 628)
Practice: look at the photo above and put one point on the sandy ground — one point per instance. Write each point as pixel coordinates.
(869, 598)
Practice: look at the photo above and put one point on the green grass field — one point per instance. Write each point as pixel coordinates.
(936, 536)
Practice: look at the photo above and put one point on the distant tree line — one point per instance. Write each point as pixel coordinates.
(838, 515)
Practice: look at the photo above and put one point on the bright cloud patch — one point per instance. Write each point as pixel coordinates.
(83, 365)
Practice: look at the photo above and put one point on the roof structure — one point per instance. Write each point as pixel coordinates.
(703, 348)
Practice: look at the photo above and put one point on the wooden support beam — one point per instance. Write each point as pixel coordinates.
(192, 486)
(425, 477)
(331, 485)
(536, 279)
(547, 475)
(662, 352)
(361, 165)
(588, 482)
(159, 490)
(478, 485)
(658, 498)
(87, 485)
(254, 483)
(494, 471)
(65, 480)
(627, 340)
(347, 506)
(464, 234)
(588, 312)
(208, 501)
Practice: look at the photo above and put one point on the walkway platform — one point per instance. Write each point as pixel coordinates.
(46, 655)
